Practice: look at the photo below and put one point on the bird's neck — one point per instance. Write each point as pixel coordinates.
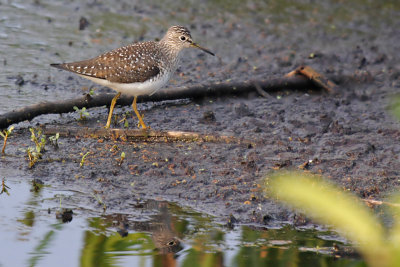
(170, 48)
(172, 53)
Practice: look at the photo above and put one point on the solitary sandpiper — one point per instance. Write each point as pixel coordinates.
(136, 69)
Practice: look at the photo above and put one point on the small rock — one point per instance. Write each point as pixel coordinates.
(83, 23)
(65, 215)
(242, 110)
(208, 116)
(267, 218)
(231, 222)
(300, 219)
(20, 80)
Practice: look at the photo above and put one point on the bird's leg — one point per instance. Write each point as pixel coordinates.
(137, 113)
(113, 102)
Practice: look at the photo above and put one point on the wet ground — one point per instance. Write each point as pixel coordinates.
(349, 136)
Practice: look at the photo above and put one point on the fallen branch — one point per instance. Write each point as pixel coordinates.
(218, 89)
(147, 135)
(317, 78)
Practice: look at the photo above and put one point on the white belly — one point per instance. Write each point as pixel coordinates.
(148, 87)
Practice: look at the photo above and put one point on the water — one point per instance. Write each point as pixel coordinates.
(26, 52)
(153, 234)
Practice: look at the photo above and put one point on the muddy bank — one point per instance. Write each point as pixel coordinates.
(348, 137)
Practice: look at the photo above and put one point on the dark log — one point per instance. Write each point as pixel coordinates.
(218, 89)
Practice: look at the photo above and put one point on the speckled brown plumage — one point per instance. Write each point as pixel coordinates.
(129, 64)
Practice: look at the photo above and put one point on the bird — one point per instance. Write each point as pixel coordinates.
(137, 69)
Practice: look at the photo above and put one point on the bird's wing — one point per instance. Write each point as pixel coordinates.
(129, 64)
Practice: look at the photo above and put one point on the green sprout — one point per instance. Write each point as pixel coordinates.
(125, 119)
(83, 158)
(60, 201)
(331, 206)
(100, 201)
(5, 134)
(33, 156)
(122, 158)
(54, 140)
(4, 188)
(83, 114)
(38, 139)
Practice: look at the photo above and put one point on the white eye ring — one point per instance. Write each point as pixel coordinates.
(183, 38)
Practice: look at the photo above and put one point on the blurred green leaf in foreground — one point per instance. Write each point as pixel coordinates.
(331, 206)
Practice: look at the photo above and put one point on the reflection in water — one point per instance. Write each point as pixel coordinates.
(161, 227)
(156, 238)
(4, 188)
(29, 218)
(163, 233)
(175, 237)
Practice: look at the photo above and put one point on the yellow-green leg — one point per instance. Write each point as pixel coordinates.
(113, 102)
(137, 113)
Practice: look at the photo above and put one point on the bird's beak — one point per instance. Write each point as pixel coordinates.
(202, 48)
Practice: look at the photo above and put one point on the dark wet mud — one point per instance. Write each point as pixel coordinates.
(348, 136)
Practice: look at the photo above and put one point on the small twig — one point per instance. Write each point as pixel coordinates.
(260, 90)
(317, 78)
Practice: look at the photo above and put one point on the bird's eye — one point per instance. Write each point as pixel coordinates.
(183, 38)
